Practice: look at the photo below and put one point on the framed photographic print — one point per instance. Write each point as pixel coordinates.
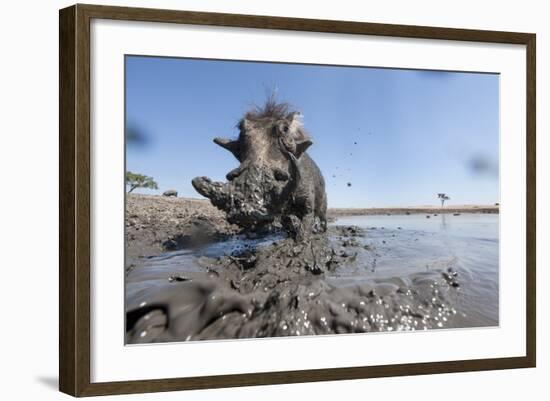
(251, 200)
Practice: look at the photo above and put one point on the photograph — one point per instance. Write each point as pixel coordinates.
(269, 199)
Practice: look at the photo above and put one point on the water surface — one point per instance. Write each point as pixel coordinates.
(407, 245)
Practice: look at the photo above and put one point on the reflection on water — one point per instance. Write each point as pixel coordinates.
(409, 244)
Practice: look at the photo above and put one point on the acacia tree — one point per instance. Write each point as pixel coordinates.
(134, 181)
(443, 198)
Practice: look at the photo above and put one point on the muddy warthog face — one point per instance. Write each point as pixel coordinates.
(270, 142)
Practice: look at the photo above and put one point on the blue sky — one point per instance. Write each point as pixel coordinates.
(397, 136)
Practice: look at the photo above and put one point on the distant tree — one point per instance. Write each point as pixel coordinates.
(443, 198)
(134, 181)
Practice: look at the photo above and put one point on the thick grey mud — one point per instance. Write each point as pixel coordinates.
(274, 286)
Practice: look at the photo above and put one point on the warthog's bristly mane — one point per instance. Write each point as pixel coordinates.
(270, 110)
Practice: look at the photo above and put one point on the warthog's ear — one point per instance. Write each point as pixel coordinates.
(233, 146)
(301, 147)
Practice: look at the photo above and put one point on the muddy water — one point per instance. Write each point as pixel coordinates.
(415, 245)
(372, 273)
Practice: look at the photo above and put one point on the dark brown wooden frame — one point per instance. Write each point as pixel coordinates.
(74, 199)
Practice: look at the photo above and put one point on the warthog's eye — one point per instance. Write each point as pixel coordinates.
(280, 129)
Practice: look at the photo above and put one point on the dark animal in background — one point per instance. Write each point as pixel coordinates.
(170, 192)
(276, 180)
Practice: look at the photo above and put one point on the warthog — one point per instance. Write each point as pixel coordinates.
(276, 180)
(170, 192)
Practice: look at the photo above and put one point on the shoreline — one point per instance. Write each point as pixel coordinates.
(349, 211)
(377, 211)
(155, 224)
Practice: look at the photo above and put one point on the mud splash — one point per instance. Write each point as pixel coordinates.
(272, 286)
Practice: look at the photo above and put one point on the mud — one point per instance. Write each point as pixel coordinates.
(273, 286)
(156, 224)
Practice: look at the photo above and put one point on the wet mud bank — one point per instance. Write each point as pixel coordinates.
(158, 224)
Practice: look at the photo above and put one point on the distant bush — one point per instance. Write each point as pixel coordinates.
(443, 198)
(134, 181)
